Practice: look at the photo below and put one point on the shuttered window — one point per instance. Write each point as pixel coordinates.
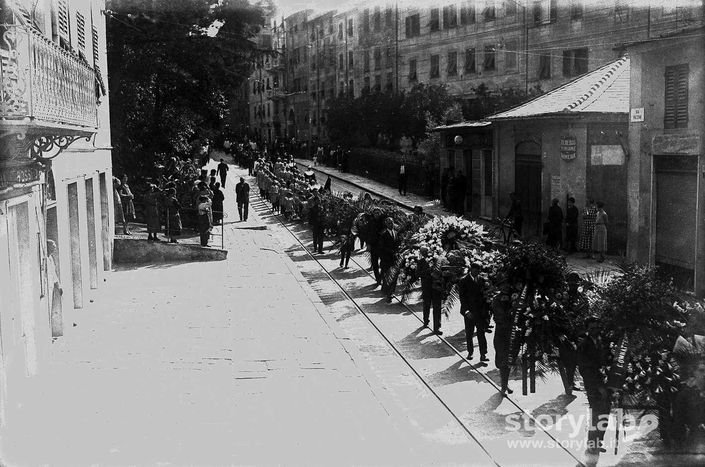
(81, 31)
(470, 61)
(435, 66)
(489, 59)
(676, 107)
(413, 25)
(94, 39)
(452, 68)
(467, 13)
(412, 71)
(63, 21)
(545, 66)
(435, 20)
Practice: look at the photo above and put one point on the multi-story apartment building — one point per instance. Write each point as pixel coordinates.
(259, 88)
(501, 44)
(56, 195)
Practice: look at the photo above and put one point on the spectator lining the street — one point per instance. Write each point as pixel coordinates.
(205, 219)
(571, 226)
(402, 179)
(128, 205)
(275, 197)
(151, 212)
(555, 225)
(588, 229)
(117, 203)
(599, 239)
(173, 215)
(218, 198)
(211, 179)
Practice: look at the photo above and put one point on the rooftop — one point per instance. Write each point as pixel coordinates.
(604, 90)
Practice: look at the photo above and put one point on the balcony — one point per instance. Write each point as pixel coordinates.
(47, 95)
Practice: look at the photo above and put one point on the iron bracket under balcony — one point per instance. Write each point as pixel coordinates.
(47, 99)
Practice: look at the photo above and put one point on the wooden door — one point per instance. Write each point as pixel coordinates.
(527, 186)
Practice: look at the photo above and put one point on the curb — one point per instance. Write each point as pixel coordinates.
(139, 251)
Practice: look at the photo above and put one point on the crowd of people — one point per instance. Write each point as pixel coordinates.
(588, 236)
(182, 195)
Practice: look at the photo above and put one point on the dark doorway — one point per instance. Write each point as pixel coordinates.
(527, 185)
(676, 208)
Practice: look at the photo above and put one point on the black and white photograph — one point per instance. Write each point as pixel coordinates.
(352, 233)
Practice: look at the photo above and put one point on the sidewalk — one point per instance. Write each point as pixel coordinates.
(354, 183)
(223, 363)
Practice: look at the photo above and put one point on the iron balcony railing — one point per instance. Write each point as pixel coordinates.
(43, 84)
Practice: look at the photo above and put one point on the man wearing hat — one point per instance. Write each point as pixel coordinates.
(242, 197)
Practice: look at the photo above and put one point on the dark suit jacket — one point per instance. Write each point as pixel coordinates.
(242, 192)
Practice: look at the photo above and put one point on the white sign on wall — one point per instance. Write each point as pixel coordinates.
(606, 154)
(637, 115)
(555, 186)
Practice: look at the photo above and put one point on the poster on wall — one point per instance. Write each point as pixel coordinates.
(606, 154)
(569, 148)
(555, 186)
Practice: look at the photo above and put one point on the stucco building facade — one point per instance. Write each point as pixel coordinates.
(56, 195)
(666, 173)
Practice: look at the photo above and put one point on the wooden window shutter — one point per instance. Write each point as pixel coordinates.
(63, 21)
(81, 31)
(676, 97)
(94, 39)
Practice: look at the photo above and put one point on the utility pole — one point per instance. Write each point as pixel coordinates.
(346, 58)
(526, 48)
(396, 44)
(318, 87)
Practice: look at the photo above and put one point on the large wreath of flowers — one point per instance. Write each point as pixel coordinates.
(641, 318)
(449, 245)
(534, 275)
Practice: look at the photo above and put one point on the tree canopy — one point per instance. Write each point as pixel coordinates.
(380, 117)
(174, 67)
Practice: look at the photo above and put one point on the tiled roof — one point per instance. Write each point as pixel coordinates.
(605, 90)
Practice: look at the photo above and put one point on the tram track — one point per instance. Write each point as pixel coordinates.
(334, 277)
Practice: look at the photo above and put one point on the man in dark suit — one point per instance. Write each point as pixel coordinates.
(242, 196)
(474, 309)
(315, 219)
(222, 170)
(431, 292)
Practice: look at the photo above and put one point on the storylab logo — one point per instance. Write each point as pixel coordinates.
(576, 427)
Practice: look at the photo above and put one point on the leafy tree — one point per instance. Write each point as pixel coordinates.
(385, 116)
(487, 102)
(174, 67)
(344, 120)
(430, 146)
